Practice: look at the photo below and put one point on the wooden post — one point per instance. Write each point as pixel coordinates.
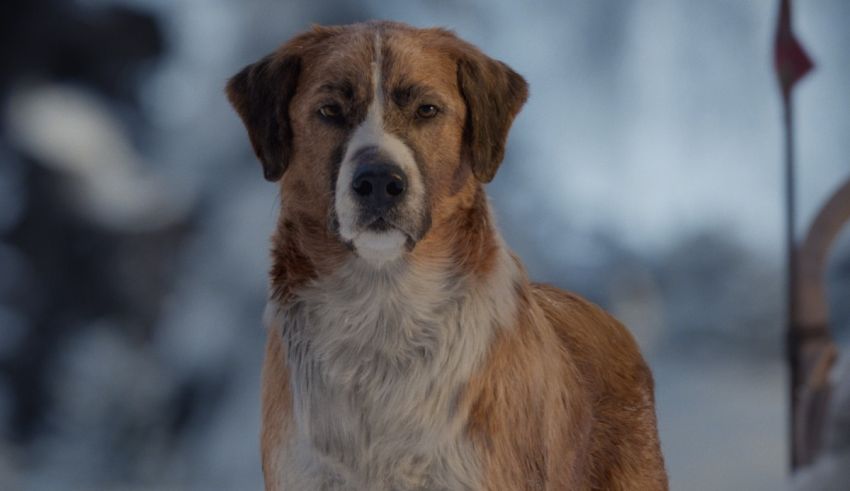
(811, 344)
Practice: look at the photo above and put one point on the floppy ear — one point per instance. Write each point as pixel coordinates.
(494, 95)
(260, 93)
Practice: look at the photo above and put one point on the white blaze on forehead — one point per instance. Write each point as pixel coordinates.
(376, 109)
(371, 245)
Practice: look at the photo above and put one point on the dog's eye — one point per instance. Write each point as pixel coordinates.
(427, 111)
(330, 111)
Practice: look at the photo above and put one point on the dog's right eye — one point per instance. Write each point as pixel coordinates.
(427, 111)
(331, 111)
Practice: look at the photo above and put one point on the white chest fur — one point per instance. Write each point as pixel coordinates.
(378, 360)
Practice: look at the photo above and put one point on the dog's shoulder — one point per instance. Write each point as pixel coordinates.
(601, 346)
(625, 453)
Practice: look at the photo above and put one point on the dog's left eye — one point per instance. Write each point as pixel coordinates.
(330, 111)
(427, 111)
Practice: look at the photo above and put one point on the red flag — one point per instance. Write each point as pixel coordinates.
(790, 59)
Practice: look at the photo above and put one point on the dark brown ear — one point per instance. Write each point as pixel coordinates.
(260, 93)
(494, 95)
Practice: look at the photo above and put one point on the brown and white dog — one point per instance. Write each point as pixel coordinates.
(407, 349)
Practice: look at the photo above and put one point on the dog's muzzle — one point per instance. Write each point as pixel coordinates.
(380, 201)
(379, 187)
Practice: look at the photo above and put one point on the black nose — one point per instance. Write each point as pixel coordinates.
(380, 186)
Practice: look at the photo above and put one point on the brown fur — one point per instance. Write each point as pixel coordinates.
(277, 408)
(564, 399)
(573, 377)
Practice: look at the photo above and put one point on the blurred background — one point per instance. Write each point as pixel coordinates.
(645, 173)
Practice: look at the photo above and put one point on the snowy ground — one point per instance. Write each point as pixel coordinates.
(722, 422)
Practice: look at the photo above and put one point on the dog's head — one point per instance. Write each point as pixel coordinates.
(378, 130)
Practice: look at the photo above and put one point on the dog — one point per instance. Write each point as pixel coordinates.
(407, 348)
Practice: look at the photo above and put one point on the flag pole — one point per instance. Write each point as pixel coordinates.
(792, 336)
(791, 63)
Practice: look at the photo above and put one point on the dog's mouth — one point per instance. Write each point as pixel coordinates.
(380, 224)
(384, 222)
(381, 239)
(386, 225)
(379, 236)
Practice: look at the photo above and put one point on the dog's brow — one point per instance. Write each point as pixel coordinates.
(344, 88)
(405, 93)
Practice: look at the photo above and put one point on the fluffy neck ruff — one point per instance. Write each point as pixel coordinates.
(379, 357)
